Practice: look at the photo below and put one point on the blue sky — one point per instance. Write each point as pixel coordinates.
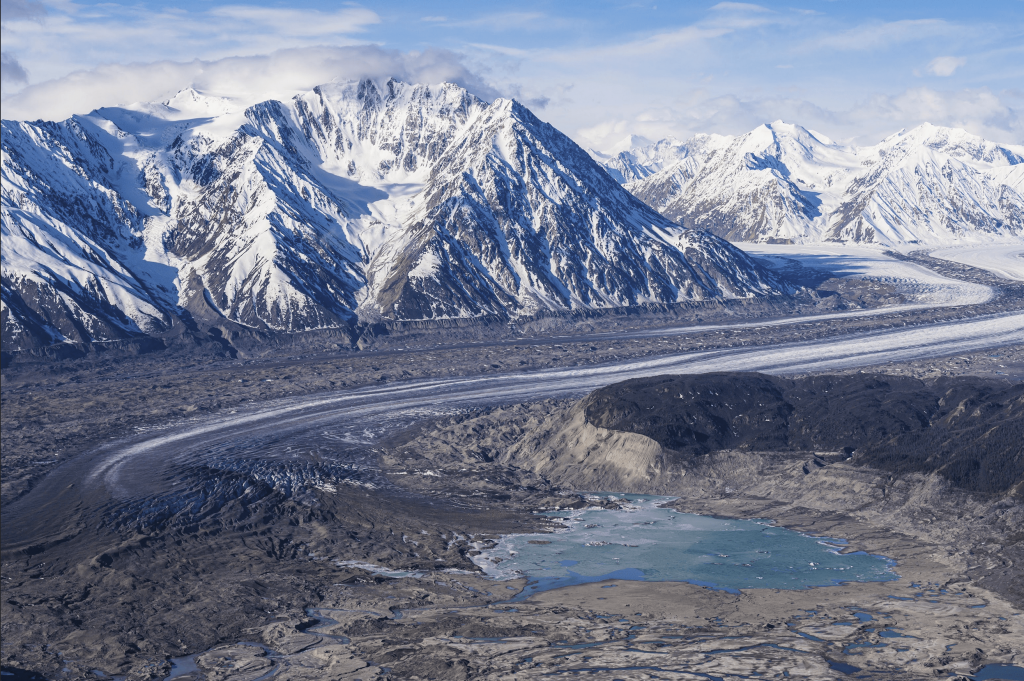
(854, 70)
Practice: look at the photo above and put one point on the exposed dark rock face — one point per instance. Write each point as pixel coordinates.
(967, 430)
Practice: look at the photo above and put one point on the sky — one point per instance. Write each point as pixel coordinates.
(854, 70)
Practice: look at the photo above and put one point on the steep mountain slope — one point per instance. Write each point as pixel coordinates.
(782, 182)
(516, 217)
(72, 243)
(291, 197)
(359, 198)
(262, 235)
(776, 181)
(932, 185)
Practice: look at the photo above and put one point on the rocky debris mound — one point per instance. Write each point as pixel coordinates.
(967, 430)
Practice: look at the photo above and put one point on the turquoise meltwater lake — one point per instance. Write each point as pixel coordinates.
(645, 541)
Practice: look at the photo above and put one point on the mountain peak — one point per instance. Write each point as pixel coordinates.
(929, 184)
(955, 142)
(506, 104)
(192, 102)
(797, 132)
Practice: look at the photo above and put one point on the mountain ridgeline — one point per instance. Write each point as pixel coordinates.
(783, 183)
(356, 201)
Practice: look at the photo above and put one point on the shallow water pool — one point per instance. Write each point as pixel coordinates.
(647, 542)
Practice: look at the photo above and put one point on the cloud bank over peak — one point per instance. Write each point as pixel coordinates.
(247, 80)
(977, 110)
(598, 71)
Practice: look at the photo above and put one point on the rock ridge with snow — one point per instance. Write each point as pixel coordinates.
(780, 182)
(356, 200)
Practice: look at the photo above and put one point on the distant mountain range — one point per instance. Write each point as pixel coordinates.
(781, 182)
(354, 201)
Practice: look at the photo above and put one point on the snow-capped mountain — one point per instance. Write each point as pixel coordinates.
(929, 185)
(932, 185)
(516, 217)
(73, 244)
(354, 199)
(302, 194)
(636, 158)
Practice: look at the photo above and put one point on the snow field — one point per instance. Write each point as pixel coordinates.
(921, 285)
(1003, 260)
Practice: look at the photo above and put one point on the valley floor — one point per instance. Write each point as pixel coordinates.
(222, 509)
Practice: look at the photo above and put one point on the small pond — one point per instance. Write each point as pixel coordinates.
(644, 541)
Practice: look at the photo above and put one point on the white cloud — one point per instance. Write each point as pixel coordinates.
(500, 49)
(505, 21)
(248, 79)
(741, 6)
(881, 35)
(296, 22)
(945, 66)
(725, 18)
(699, 113)
(978, 111)
(605, 133)
(95, 35)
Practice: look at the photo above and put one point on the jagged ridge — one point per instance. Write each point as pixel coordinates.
(929, 185)
(354, 199)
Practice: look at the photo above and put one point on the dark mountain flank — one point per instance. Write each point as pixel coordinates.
(968, 430)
